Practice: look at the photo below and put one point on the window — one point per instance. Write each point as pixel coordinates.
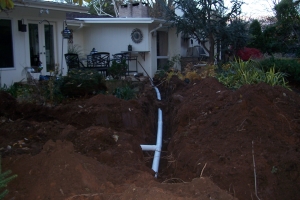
(162, 50)
(6, 44)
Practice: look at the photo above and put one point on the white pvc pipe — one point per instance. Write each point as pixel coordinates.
(148, 147)
(155, 163)
(157, 147)
(157, 93)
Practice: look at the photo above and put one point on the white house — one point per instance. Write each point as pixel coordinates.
(152, 40)
(31, 32)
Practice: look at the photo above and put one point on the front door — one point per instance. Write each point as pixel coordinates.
(41, 44)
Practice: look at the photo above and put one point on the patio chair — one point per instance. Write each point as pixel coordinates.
(100, 62)
(118, 57)
(89, 61)
(73, 62)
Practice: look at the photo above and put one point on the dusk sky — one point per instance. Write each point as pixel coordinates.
(255, 8)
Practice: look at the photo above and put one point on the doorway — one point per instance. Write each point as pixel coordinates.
(41, 45)
(162, 49)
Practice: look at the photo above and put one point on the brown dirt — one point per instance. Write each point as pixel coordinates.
(212, 135)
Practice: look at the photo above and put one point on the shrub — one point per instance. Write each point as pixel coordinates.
(291, 67)
(241, 73)
(125, 92)
(82, 82)
(249, 53)
(4, 180)
(118, 69)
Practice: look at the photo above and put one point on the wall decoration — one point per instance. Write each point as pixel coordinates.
(136, 35)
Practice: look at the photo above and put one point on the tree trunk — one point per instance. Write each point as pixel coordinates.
(211, 48)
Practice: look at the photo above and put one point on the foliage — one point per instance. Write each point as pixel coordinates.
(169, 66)
(102, 7)
(14, 89)
(82, 82)
(22, 92)
(235, 35)
(76, 49)
(290, 67)
(192, 76)
(249, 53)
(172, 73)
(283, 35)
(4, 180)
(6, 5)
(80, 2)
(118, 69)
(53, 89)
(202, 19)
(125, 92)
(271, 42)
(275, 78)
(241, 73)
(156, 9)
(256, 37)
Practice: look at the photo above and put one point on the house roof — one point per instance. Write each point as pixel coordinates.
(51, 5)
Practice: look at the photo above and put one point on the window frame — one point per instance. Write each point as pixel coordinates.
(12, 23)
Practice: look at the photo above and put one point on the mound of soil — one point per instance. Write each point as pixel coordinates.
(218, 144)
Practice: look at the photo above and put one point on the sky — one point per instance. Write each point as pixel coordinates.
(255, 8)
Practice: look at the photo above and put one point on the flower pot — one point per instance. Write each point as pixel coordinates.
(35, 75)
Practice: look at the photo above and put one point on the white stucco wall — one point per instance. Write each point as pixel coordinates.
(21, 41)
(114, 38)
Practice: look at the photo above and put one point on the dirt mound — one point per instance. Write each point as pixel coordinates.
(90, 148)
(58, 172)
(220, 128)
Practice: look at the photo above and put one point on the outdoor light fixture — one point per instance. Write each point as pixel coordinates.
(66, 33)
(21, 25)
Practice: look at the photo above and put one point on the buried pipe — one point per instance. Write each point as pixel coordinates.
(157, 147)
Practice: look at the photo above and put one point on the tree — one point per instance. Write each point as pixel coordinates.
(256, 37)
(234, 35)
(106, 7)
(157, 9)
(204, 20)
(6, 5)
(288, 24)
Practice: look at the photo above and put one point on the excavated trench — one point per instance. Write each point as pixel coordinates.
(208, 131)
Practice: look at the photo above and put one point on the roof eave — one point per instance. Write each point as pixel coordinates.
(117, 20)
(51, 6)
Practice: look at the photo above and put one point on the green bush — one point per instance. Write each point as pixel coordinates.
(22, 92)
(82, 82)
(240, 73)
(125, 92)
(118, 69)
(291, 67)
(4, 180)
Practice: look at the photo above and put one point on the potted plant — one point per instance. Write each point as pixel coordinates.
(39, 68)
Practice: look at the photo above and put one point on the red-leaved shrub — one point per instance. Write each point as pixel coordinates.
(247, 53)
